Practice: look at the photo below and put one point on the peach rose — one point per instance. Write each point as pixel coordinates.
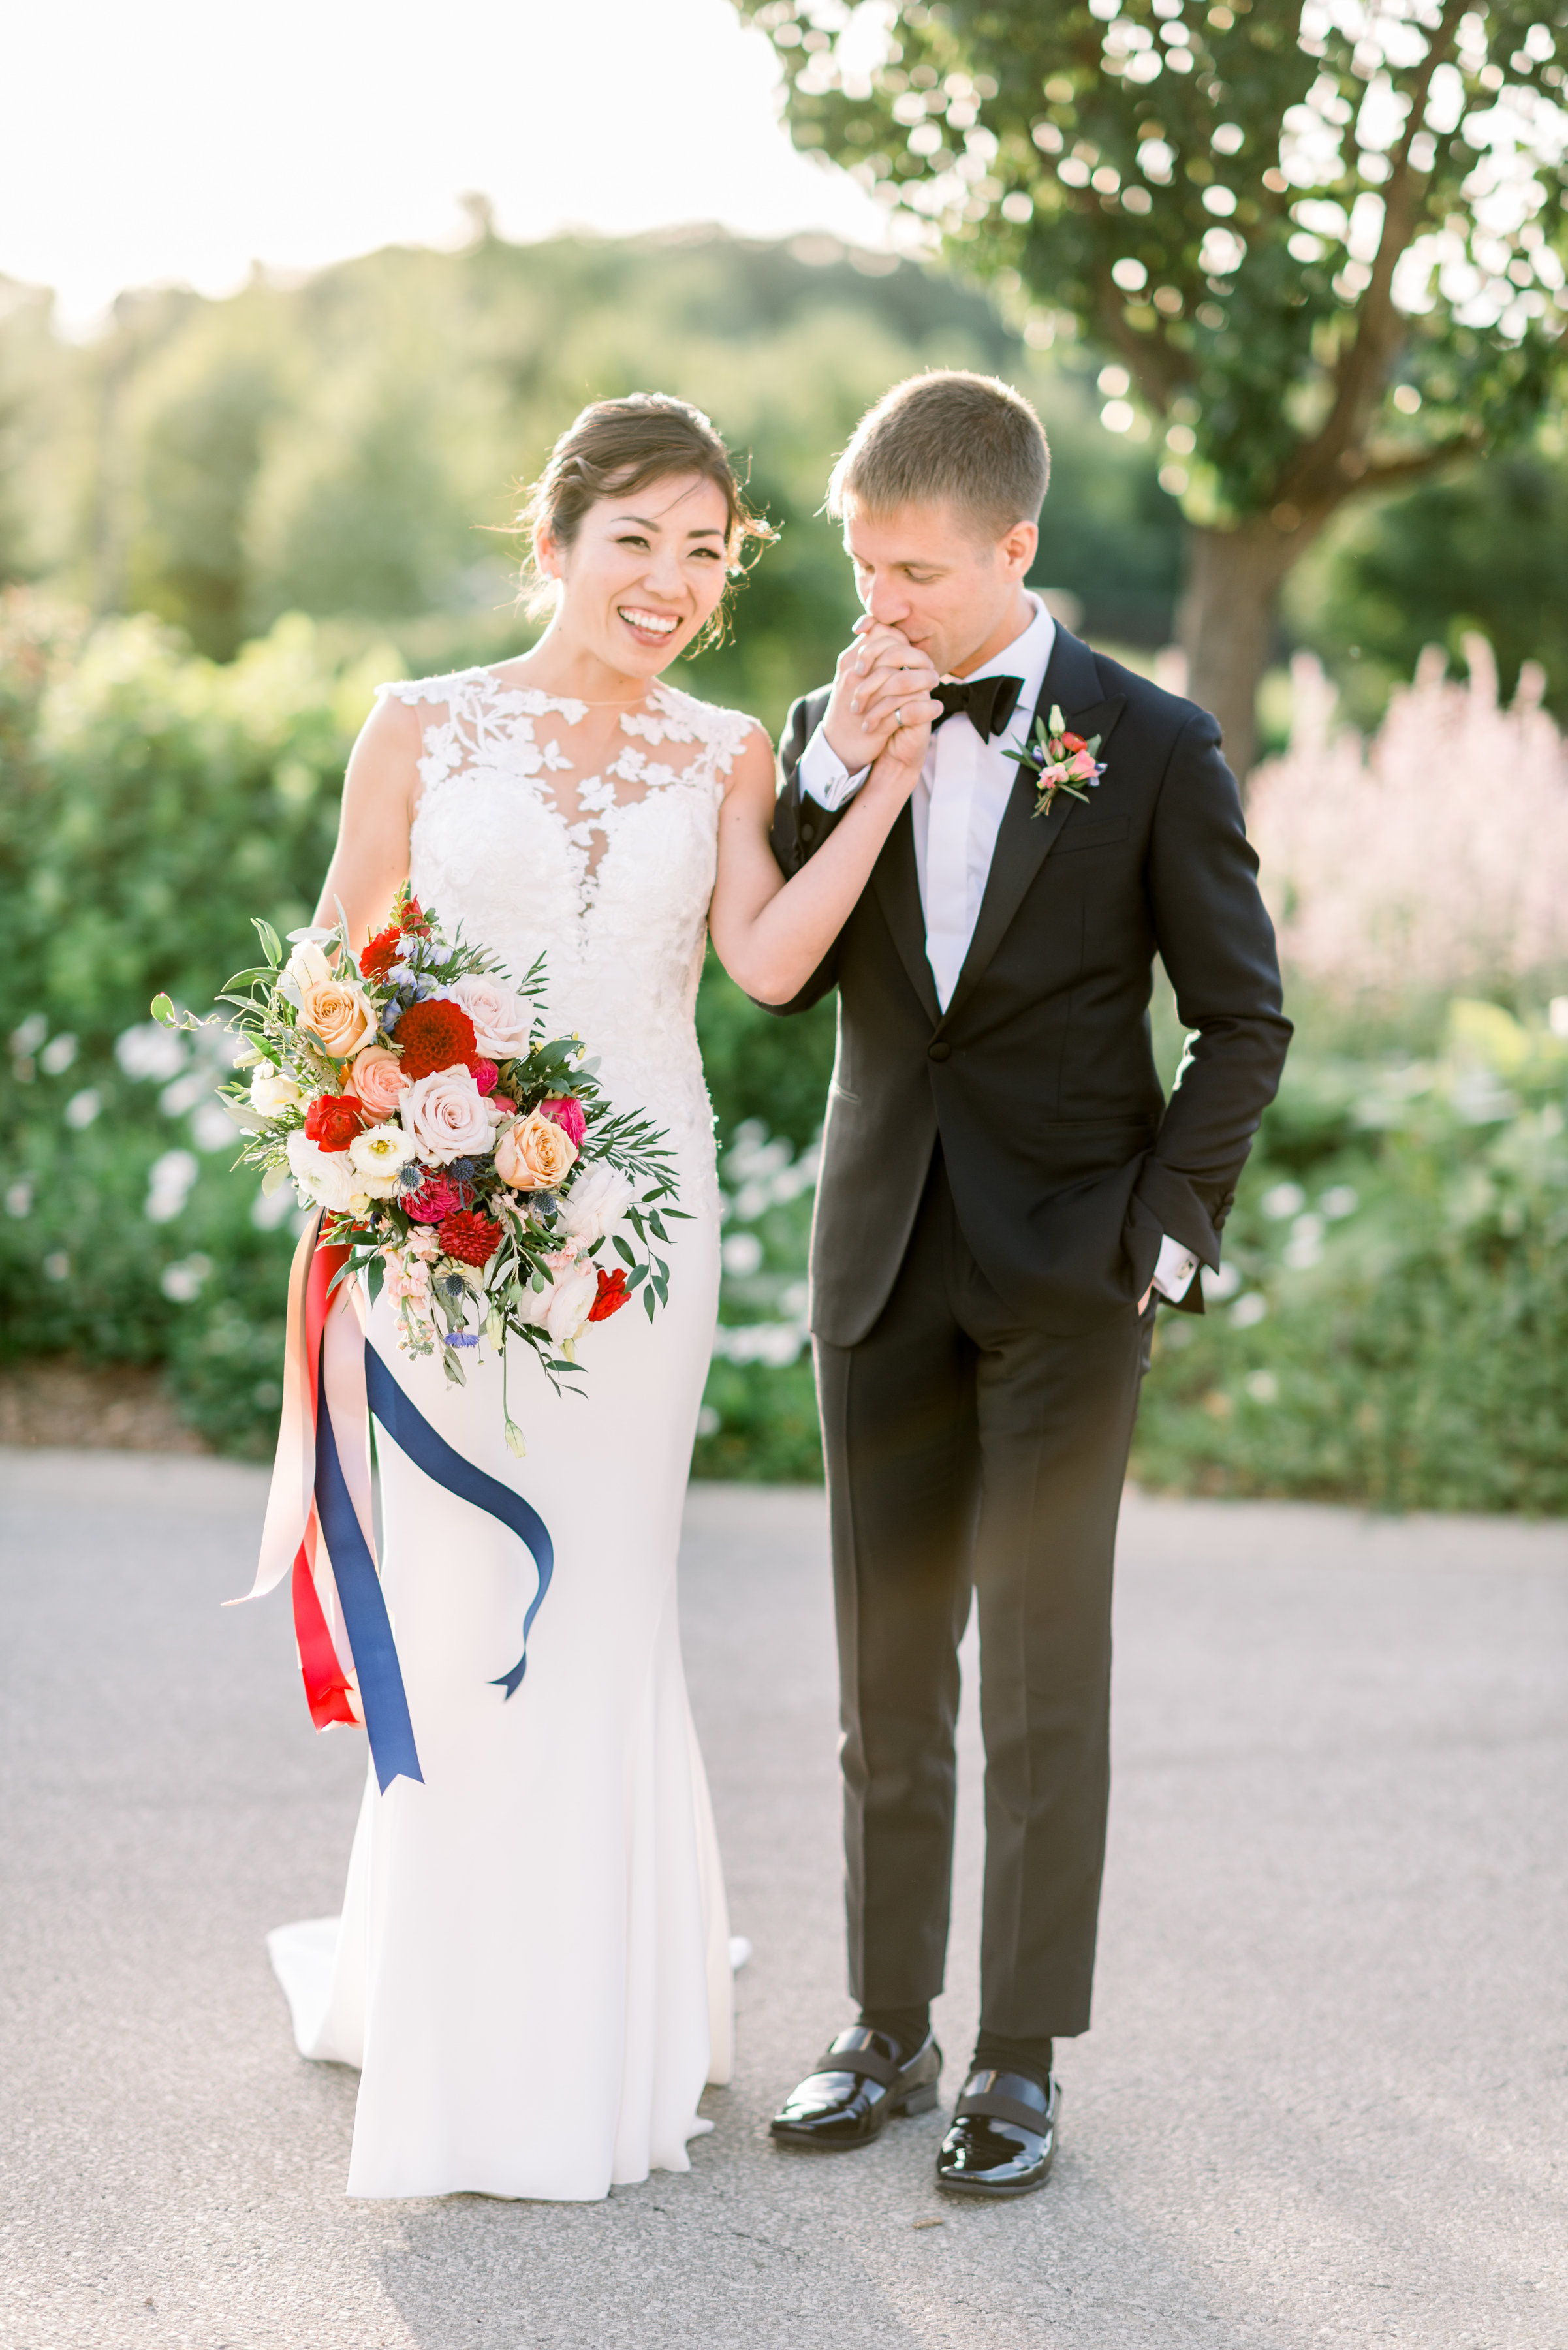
(376, 1076)
(340, 1016)
(534, 1155)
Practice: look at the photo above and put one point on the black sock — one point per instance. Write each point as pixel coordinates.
(993, 2053)
(907, 2025)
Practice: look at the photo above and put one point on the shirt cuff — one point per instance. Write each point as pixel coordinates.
(1174, 1270)
(823, 774)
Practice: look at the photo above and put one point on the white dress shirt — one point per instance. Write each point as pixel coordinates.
(957, 809)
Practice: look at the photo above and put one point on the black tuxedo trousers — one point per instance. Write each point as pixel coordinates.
(970, 1453)
(997, 1173)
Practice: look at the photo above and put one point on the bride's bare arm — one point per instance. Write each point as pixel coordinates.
(769, 934)
(370, 862)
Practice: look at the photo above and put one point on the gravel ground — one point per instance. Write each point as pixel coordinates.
(1325, 2099)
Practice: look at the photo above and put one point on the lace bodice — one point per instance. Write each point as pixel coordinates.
(613, 889)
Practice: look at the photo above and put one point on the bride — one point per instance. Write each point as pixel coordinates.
(531, 1966)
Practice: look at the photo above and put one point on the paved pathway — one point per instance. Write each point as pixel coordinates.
(1326, 2098)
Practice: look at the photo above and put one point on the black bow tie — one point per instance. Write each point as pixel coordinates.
(988, 702)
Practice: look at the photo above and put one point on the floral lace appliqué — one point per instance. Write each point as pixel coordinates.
(611, 887)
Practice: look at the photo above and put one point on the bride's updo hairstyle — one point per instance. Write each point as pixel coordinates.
(619, 446)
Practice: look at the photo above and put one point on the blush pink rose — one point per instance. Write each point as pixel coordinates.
(376, 1076)
(501, 1018)
(447, 1116)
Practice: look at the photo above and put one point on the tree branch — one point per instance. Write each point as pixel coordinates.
(1362, 367)
(1412, 468)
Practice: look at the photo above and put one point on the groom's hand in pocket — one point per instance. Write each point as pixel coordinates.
(882, 691)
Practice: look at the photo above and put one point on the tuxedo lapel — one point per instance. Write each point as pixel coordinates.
(1024, 839)
(896, 880)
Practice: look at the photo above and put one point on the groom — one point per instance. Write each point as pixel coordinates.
(1004, 1191)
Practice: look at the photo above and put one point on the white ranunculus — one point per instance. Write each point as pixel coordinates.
(327, 1178)
(596, 1201)
(379, 1157)
(273, 1090)
(500, 1017)
(563, 1309)
(448, 1117)
(382, 1149)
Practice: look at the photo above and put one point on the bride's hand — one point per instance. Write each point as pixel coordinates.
(896, 770)
(882, 686)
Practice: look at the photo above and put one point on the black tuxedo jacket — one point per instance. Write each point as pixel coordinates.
(1066, 1163)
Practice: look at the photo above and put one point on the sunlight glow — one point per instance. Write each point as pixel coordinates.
(170, 141)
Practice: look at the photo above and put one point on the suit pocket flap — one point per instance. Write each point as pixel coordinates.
(1098, 833)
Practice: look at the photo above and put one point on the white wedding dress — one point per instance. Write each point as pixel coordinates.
(531, 1970)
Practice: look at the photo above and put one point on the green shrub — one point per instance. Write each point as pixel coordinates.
(153, 801)
(1392, 1326)
(1397, 1326)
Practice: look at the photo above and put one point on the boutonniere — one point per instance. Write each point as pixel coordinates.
(1060, 761)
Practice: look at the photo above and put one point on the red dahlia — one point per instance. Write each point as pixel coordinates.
(471, 1237)
(381, 954)
(613, 1295)
(334, 1121)
(435, 1035)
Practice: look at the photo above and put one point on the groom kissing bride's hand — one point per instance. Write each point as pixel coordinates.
(1004, 1191)
(883, 701)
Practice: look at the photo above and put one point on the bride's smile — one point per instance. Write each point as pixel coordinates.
(640, 579)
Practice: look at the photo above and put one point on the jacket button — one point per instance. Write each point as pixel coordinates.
(809, 832)
(940, 1051)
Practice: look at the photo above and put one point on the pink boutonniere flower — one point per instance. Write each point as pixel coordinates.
(1060, 761)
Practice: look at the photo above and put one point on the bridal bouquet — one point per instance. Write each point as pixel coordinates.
(468, 1164)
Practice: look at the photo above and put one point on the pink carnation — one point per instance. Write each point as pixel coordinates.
(484, 1074)
(566, 1112)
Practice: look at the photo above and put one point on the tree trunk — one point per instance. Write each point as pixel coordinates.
(1226, 623)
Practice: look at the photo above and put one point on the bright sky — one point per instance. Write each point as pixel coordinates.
(145, 142)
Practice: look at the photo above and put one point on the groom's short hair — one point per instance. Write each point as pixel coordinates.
(947, 437)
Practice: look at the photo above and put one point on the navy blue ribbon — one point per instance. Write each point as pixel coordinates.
(364, 1603)
(412, 1433)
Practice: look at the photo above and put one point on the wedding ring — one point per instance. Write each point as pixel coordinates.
(899, 714)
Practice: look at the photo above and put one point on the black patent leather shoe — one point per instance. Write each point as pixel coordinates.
(1003, 2137)
(855, 2087)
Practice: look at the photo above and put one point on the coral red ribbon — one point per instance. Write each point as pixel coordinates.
(322, 1471)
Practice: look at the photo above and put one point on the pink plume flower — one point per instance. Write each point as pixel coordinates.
(566, 1112)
